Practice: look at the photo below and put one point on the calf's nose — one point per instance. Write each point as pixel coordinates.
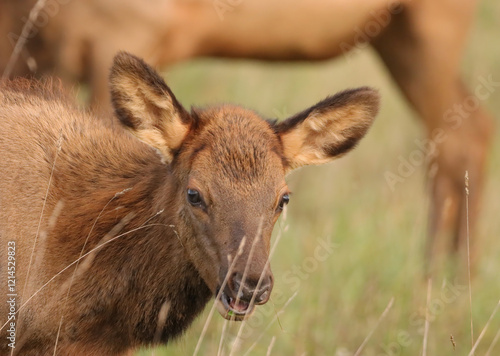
(246, 289)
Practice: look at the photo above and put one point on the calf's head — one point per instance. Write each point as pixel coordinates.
(228, 167)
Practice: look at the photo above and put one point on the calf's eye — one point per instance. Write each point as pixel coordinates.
(284, 200)
(194, 197)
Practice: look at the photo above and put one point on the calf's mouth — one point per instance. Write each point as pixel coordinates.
(232, 309)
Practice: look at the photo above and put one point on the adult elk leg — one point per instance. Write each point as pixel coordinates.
(422, 48)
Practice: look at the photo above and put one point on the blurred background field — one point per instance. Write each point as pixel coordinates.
(378, 234)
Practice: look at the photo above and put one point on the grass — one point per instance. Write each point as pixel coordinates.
(379, 234)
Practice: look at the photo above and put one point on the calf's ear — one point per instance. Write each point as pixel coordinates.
(146, 106)
(328, 129)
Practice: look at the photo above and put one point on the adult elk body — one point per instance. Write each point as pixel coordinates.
(420, 41)
(159, 223)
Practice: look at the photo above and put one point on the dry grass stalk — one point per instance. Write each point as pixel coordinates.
(223, 285)
(468, 255)
(76, 261)
(426, 330)
(493, 343)
(367, 338)
(484, 330)
(28, 26)
(282, 310)
(271, 345)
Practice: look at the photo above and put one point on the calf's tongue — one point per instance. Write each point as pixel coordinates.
(239, 307)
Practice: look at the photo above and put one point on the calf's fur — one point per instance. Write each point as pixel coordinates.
(77, 188)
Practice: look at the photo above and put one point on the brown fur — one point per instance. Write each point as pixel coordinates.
(94, 187)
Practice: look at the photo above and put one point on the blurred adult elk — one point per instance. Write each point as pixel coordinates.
(420, 41)
(158, 227)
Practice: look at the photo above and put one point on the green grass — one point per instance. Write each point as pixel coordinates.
(379, 234)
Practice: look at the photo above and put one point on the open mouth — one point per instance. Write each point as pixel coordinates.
(231, 310)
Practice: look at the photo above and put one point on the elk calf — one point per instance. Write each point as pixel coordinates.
(120, 241)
